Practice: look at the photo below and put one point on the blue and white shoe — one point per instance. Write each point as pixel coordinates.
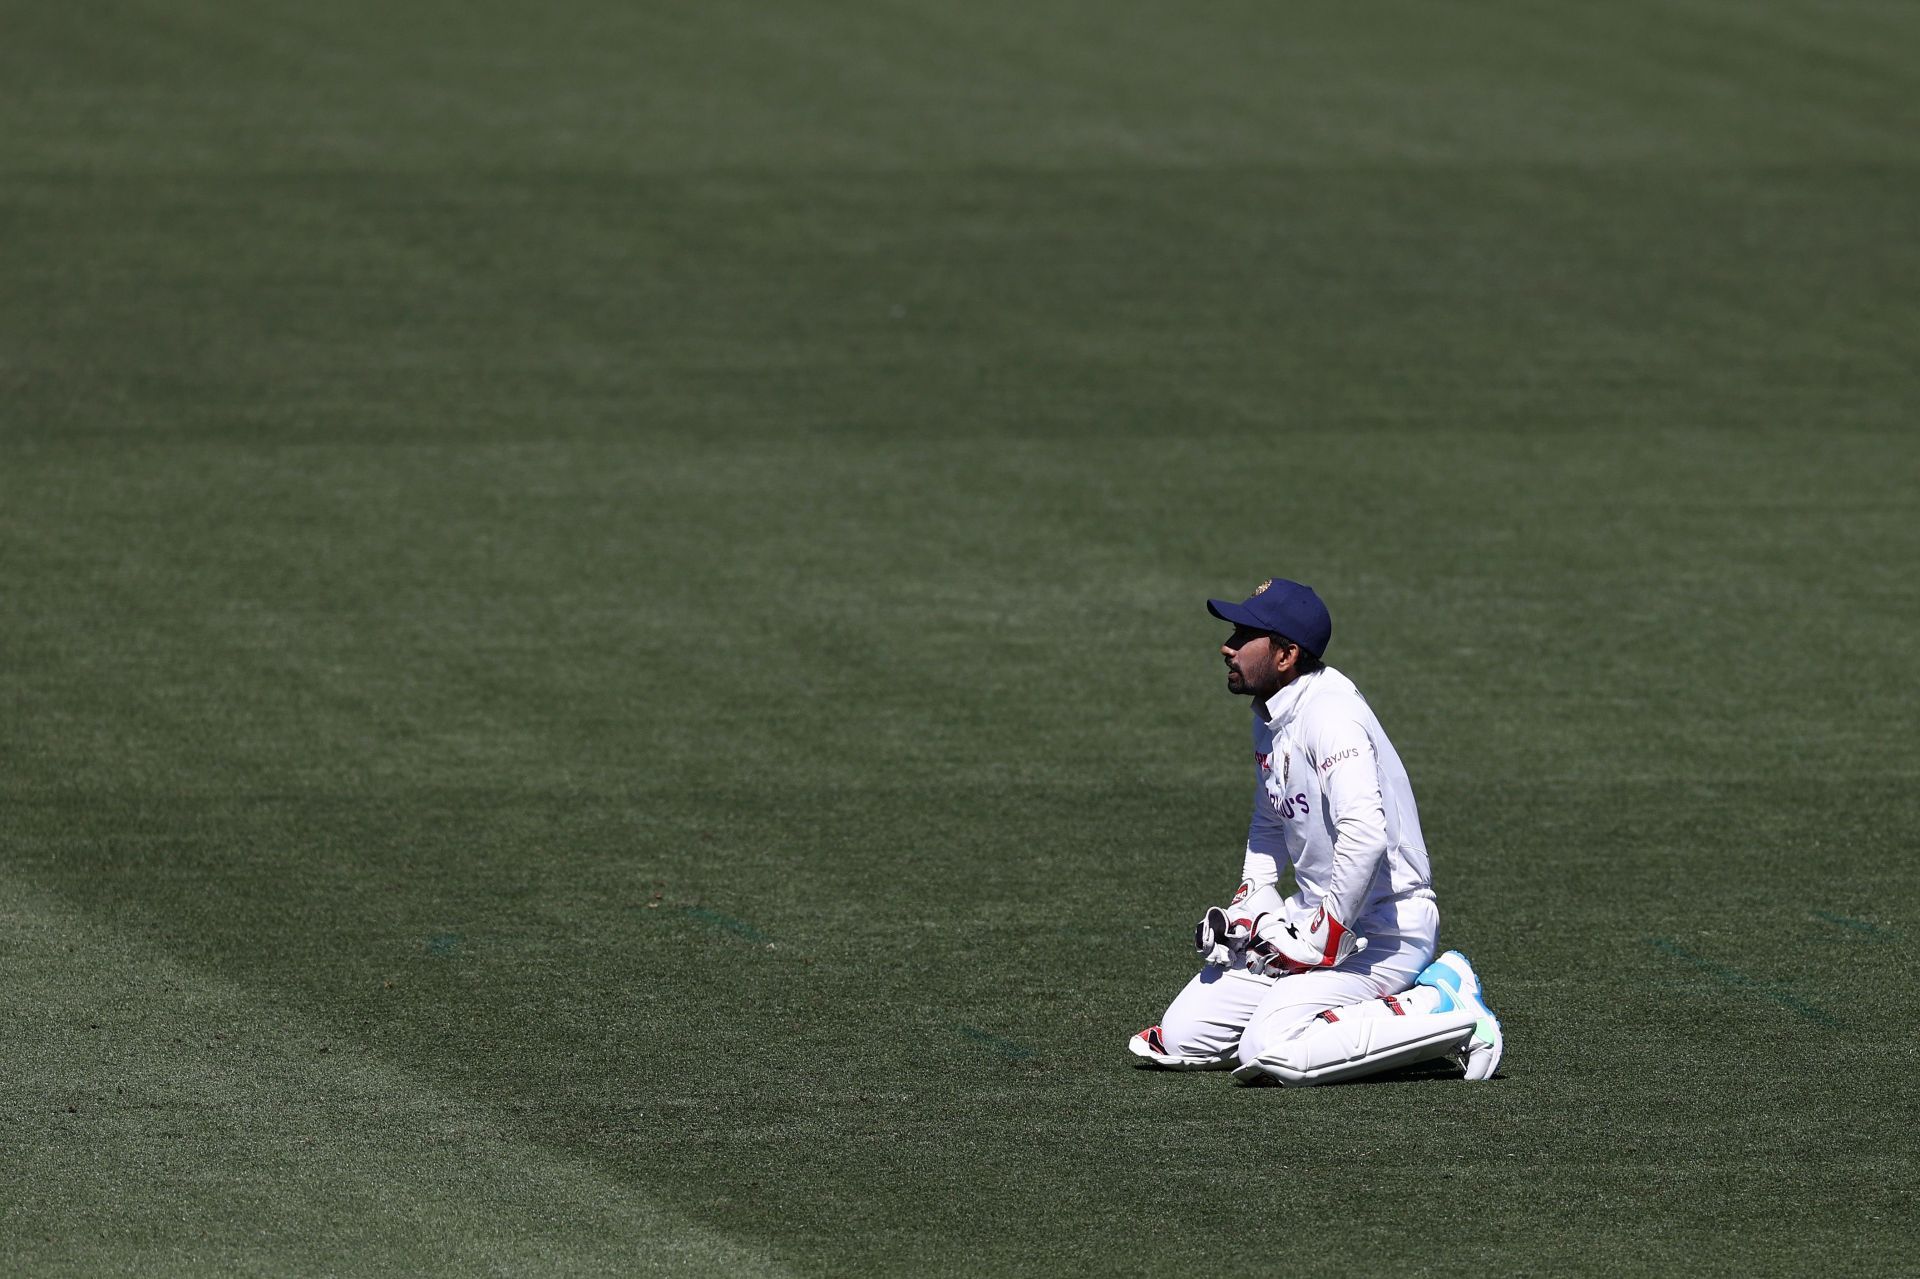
(1455, 979)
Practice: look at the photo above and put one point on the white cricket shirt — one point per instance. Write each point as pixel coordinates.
(1333, 801)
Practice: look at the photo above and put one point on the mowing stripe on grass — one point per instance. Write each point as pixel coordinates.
(1735, 978)
(259, 1140)
(1861, 926)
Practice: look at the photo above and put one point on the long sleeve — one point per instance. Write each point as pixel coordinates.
(1266, 856)
(1343, 755)
(1261, 870)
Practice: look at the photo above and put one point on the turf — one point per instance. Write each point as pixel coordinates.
(603, 661)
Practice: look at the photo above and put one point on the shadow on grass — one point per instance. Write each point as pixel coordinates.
(1422, 1072)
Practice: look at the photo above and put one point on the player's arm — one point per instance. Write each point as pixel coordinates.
(1300, 937)
(1350, 780)
(1266, 856)
(1224, 932)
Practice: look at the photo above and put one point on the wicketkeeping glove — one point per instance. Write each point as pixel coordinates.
(1220, 940)
(1298, 940)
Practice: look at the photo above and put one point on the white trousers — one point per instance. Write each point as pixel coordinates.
(1234, 1018)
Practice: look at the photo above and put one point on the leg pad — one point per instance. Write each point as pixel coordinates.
(1336, 1045)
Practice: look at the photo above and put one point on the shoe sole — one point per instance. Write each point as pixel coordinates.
(1174, 1063)
(1477, 1065)
(1145, 1057)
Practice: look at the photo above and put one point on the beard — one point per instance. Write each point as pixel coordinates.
(1242, 685)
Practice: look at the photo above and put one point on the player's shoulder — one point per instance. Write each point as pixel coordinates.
(1330, 693)
(1333, 704)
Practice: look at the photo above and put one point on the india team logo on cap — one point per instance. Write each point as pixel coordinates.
(1263, 586)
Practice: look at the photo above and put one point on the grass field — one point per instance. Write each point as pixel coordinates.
(603, 655)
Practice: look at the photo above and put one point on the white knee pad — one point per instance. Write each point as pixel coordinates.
(1352, 1041)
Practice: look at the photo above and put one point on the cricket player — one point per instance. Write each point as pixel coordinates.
(1337, 979)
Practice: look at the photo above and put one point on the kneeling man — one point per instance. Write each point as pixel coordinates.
(1339, 979)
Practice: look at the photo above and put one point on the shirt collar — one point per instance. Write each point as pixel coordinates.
(1278, 711)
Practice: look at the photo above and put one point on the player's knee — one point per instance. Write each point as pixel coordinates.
(1282, 1061)
(1193, 1039)
(1253, 1043)
(1278, 1049)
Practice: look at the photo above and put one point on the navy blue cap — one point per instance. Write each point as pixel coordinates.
(1285, 608)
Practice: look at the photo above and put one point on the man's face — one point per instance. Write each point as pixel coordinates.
(1253, 663)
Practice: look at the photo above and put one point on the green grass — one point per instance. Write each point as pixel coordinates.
(603, 660)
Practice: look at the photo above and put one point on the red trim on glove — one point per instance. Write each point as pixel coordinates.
(1330, 951)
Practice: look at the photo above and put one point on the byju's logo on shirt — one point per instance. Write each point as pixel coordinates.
(1326, 765)
(1292, 806)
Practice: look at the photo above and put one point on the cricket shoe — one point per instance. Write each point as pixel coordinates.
(1456, 981)
(1149, 1048)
